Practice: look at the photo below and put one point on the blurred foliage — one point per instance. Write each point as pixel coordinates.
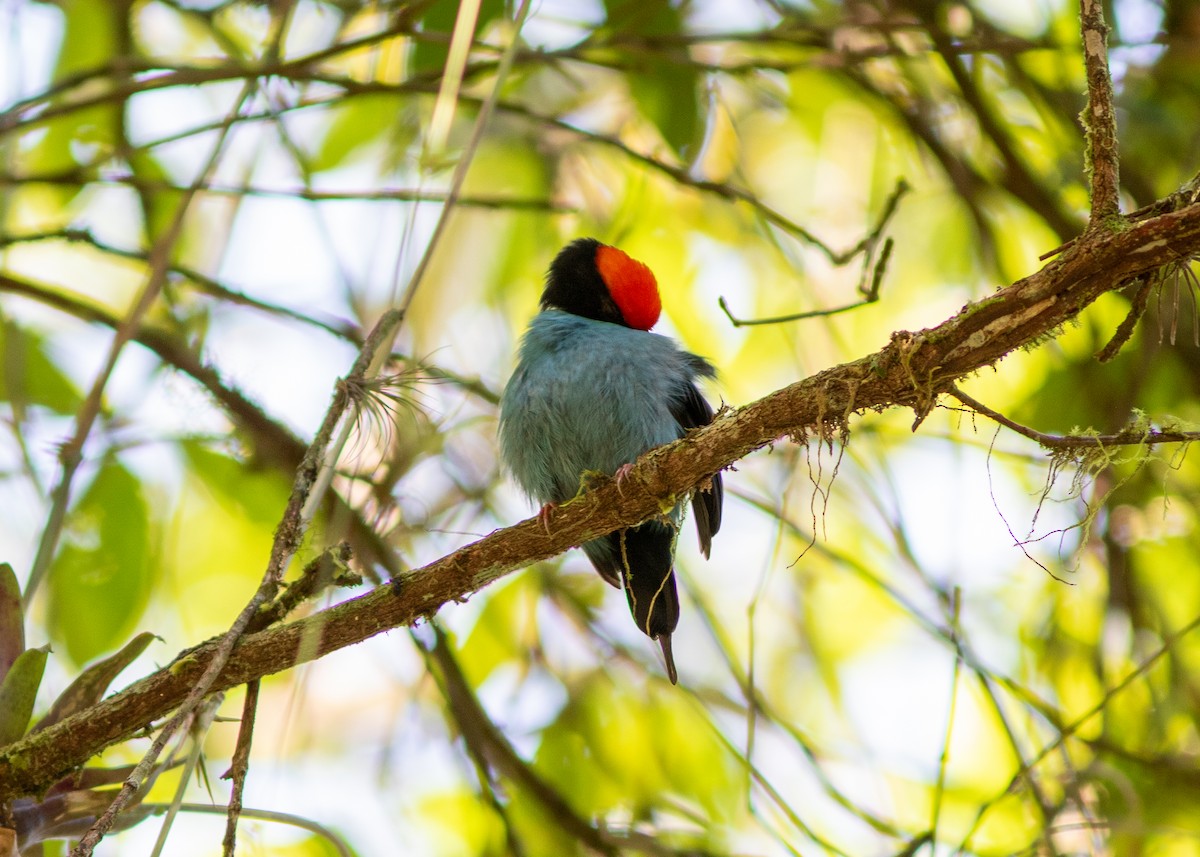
(69, 806)
(873, 662)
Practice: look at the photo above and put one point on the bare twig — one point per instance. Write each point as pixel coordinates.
(202, 282)
(1124, 331)
(26, 111)
(872, 273)
(1099, 117)
(870, 296)
(334, 839)
(200, 726)
(1134, 436)
(78, 178)
(239, 767)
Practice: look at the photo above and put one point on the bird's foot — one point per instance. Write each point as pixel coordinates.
(621, 475)
(545, 514)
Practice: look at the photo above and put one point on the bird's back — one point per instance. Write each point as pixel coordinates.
(589, 396)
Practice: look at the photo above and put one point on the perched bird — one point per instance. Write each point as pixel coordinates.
(593, 390)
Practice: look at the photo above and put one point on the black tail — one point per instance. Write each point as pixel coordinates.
(645, 561)
(640, 561)
(646, 558)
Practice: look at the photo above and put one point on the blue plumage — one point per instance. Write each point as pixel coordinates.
(589, 395)
(592, 393)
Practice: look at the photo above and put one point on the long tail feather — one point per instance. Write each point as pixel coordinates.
(664, 640)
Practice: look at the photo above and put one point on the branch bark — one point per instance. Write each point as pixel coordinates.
(1099, 117)
(912, 370)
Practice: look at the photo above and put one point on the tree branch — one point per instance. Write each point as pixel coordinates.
(912, 371)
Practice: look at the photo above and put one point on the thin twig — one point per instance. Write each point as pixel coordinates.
(199, 730)
(240, 766)
(333, 838)
(202, 282)
(80, 177)
(1129, 437)
(71, 453)
(1124, 331)
(325, 476)
(943, 762)
(868, 288)
(1099, 117)
(181, 75)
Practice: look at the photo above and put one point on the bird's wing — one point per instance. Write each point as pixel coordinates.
(692, 411)
(605, 553)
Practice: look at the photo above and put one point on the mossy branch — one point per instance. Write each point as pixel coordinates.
(911, 371)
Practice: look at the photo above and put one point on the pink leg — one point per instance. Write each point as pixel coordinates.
(545, 513)
(621, 475)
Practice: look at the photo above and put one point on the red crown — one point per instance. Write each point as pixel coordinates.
(632, 286)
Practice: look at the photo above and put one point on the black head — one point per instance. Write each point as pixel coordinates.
(574, 284)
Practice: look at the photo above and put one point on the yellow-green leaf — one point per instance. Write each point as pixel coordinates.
(99, 582)
(12, 619)
(90, 686)
(18, 692)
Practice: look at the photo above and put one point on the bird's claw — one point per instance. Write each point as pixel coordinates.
(621, 475)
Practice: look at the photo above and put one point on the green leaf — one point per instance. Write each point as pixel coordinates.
(665, 88)
(90, 39)
(84, 136)
(461, 823)
(503, 630)
(12, 619)
(360, 121)
(259, 496)
(29, 377)
(100, 581)
(18, 692)
(666, 95)
(603, 760)
(91, 685)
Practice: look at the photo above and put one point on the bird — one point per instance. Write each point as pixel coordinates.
(592, 390)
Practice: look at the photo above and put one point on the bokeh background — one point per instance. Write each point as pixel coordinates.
(937, 642)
